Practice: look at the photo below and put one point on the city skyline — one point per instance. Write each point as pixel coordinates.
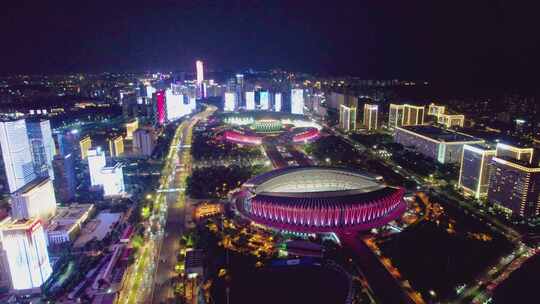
(368, 39)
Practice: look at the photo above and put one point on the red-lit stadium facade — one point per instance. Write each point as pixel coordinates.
(307, 135)
(242, 138)
(318, 200)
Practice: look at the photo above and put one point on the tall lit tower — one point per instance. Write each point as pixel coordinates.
(16, 154)
(25, 247)
(200, 76)
(370, 116)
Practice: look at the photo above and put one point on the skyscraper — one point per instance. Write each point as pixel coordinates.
(514, 185)
(370, 116)
(347, 117)
(264, 100)
(297, 101)
(250, 100)
(42, 146)
(229, 102)
(65, 180)
(277, 102)
(116, 145)
(405, 115)
(144, 142)
(96, 162)
(110, 178)
(200, 77)
(16, 154)
(25, 246)
(474, 171)
(159, 108)
(131, 126)
(85, 145)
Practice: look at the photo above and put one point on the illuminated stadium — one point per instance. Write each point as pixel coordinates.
(318, 199)
(252, 127)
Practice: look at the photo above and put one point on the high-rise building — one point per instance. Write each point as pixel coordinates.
(264, 100)
(413, 115)
(159, 108)
(42, 146)
(65, 182)
(85, 145)
(34, 200)
(144, 142)
(200, 77)
(116, 145)
(113, 180)
(150, 90)
(277, 102)
(370, 116)
(297, 101)
(240, 80)
(395, 116)
(523, 154)
(250, 100)
(16, 154)
(25, 246)
(514, 185)
(110, 178)
(229, 102)
(131, 126)
(175, 105)
(405, 115)
(68, 142)
(474, 171)
(96, 162)
(347, 118)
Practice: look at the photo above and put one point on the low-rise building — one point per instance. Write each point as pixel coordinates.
(444, 146)
(68, 222)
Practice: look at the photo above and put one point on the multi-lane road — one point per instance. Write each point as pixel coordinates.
(149, 278)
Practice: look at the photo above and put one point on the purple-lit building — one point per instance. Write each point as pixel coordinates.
(318, 200)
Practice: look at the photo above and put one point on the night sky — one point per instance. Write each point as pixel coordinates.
(455, 40)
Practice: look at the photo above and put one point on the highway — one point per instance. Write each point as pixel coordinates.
(148, 276)
(174, 227)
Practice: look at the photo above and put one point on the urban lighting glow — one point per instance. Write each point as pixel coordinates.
(250, 100)
(264, 100)
(26, 251)
(229, 102)
(277, 102)
(312, 199)
(297, 101)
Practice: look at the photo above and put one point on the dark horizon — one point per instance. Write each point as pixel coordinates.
(485, 42)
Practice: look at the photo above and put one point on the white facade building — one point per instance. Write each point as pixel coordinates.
(35, 200)
(264, 98)
(250, 100)
(297, 101)
(277, 102)
(25, 249)
(42, 146)
(16, 154)
(229, 102)
(144, 142)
